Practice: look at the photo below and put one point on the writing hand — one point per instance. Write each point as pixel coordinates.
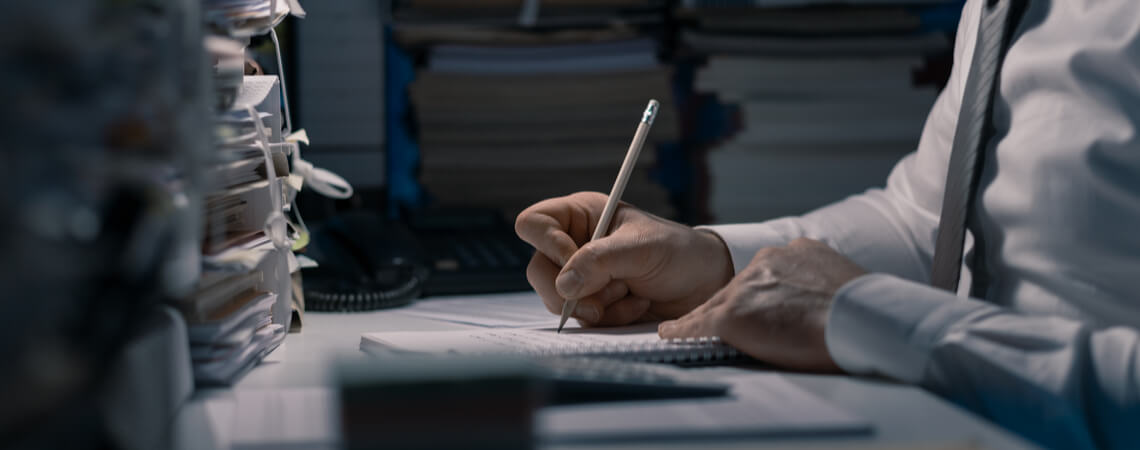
(647, 268)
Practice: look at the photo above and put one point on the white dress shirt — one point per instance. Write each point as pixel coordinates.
(1052, 352)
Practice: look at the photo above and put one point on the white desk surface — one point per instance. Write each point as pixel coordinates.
(902, 416)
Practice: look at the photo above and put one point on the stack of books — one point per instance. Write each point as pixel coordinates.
(542, 16)
(510, 115)
(828, 95)
(241, 308)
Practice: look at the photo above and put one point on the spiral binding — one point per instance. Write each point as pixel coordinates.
(686, 351)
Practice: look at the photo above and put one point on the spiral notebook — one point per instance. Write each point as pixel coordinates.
(633, 343)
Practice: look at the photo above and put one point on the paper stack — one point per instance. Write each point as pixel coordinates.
(241, 308)
(510, 116)
(829, 97)
(244, 18)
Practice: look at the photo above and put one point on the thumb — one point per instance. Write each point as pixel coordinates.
(595, 264)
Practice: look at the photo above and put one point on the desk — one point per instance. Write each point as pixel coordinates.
(903, 416)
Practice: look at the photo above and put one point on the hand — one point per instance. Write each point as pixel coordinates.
(647, 268)
(775, 310)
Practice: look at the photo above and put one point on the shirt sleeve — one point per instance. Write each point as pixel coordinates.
(1057, 381)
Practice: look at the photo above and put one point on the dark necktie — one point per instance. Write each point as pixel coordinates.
(974, 130)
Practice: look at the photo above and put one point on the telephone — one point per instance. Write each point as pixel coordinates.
(365, 263)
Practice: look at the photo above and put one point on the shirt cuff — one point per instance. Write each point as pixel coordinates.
(885, 325)
(745, 239)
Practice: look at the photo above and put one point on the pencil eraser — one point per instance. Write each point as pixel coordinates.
(650, 112)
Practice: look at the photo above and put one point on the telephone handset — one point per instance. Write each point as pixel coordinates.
(364, 262)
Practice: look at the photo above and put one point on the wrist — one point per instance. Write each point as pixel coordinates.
(718, 258)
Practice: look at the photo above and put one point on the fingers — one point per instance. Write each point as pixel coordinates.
(624, 311)
(540, 273)
(560, 228)
(694, 324)
(557, 226)
(547, 230)
(701, 321)
(593, 308)
(568, 266)
(621, 256)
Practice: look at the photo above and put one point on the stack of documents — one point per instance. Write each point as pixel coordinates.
(249, 17)
(507, 117)
(828, 97)
(245, 275)
(241, 308)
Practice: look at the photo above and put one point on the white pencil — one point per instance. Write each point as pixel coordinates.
(615, 193)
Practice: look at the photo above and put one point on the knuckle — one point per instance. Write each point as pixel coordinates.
(553, 235)
(715, 322)
(737, 307)
(533, 274)
(614, 291)
(730, 304)
(765, 275)
(758, 266)
(590, 201)
(588, 255)
(627, 212)
(765, 253)
(522, 220)
(586, 197)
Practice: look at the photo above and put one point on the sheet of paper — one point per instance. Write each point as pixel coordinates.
(759, 404)
(510, 340)
(523, 309)
(276, 418)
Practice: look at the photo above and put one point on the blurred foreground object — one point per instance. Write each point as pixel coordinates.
(98, 217)
(408, 402)
(243, 303)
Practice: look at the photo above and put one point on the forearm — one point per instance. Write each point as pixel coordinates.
(869, 228)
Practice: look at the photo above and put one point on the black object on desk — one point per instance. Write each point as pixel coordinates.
(471, 251)
(365, 264)
(436, 403)
(368, 263)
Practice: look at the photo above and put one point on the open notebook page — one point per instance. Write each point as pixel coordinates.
(475, 341)
(637, 342)
(523, 310)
